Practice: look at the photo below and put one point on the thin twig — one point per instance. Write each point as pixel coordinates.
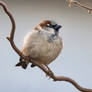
(75, 2)
(55, 78)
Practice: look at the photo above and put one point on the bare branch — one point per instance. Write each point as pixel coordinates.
(55, 78)
(75, 2)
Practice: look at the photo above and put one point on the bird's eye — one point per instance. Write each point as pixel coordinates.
(48, 25)
(53, 26)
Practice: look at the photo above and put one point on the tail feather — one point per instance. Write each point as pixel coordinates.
(22, 63)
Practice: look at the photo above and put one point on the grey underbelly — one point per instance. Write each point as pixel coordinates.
(46, 54)
(43, 51)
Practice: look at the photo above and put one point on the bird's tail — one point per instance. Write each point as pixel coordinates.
(22, 63)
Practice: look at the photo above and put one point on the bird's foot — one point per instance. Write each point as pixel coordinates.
(50, 73)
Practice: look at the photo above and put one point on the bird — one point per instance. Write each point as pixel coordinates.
(43, 44)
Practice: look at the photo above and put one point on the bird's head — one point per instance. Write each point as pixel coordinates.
(48, 26)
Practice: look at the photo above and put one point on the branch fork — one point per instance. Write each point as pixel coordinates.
(75, 2)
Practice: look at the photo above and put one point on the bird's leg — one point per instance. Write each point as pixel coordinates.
(50, 73)
(27, 57)
(32, 65)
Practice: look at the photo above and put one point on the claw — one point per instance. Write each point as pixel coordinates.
(50, 73)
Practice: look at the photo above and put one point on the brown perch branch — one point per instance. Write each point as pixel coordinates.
(75, 2)
(55, 78)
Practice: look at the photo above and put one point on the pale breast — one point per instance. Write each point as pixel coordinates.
(40, 49)
(54, 49)
(49, 50)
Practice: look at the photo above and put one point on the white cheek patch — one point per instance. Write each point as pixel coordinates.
(48, 30)
(51, 30)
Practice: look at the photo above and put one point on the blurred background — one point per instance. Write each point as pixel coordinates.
(75, 61)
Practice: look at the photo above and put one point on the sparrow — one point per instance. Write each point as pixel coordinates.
(43, 44)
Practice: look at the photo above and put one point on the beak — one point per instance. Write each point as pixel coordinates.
(57, 27)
